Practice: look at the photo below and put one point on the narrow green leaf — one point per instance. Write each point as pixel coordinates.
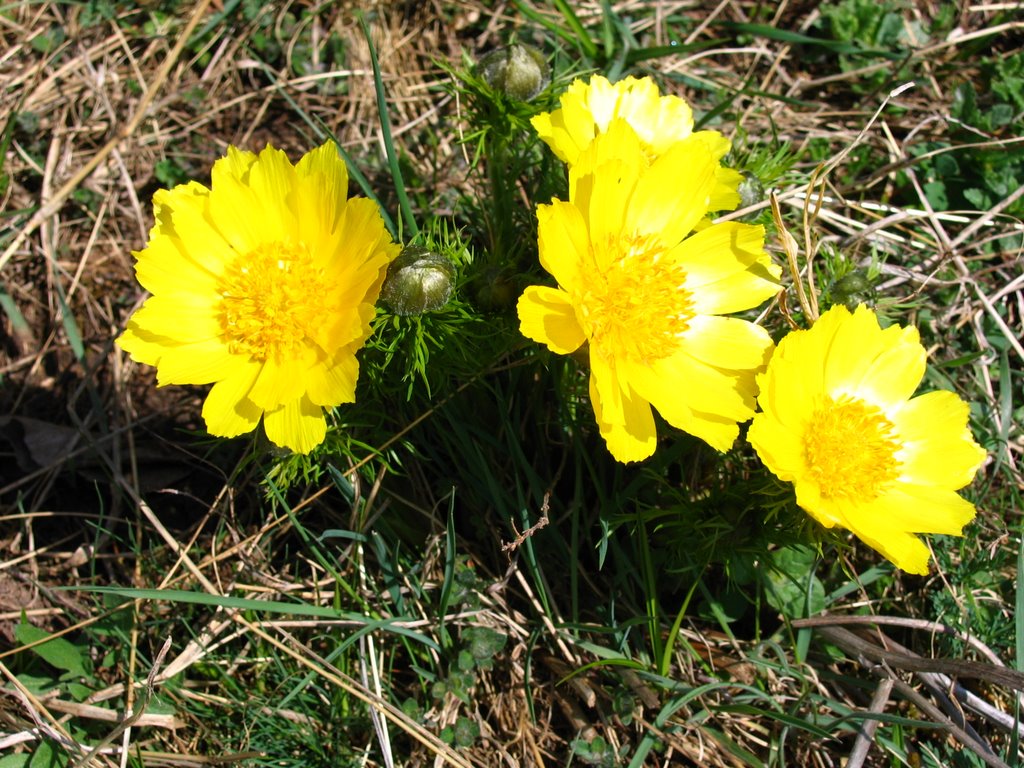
(264, 606)
(385, 129)
(9, 308)
(786, 36)
(588, 46)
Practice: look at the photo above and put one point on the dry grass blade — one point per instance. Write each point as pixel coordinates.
(54, 201)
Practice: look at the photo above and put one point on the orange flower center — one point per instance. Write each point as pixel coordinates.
(851, 449)
(637, 307)
(273, 299)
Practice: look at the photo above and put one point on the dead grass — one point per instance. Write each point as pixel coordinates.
(97, 460)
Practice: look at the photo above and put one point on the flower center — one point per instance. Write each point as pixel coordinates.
(272, 301)
(851, 449)
(637, 307)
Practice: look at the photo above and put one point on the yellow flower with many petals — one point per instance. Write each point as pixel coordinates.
(648, 293)
(588, 109)
(264, 285)
(838, 421)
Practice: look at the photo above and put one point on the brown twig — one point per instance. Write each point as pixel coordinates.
(512, 546)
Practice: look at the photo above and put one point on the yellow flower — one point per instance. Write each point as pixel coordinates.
(838, 422)
(660, 121)
(647, 293)
(264, 285)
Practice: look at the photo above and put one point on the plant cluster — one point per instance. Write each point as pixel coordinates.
(583, 423)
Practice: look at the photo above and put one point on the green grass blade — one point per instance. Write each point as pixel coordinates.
(449, 572)
(797, 38)
(364, 623)
(385, 129)
(18, 322)
(572, 32)
(1018, 619)
(588, 46)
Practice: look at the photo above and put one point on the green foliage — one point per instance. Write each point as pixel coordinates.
(597, 752)
(49, 41)
(791, 586)
(57, 652)
(69, 668)
(170, 173)
(974, 166)
(473, 656)
(843, 282)
(96, 12)
(463, 734)
(1005, 76)
(875, 31)
(426, 351)
(507, 159)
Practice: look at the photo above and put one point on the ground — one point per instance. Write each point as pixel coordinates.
(463, 575)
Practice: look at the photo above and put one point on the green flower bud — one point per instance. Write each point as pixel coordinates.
(853, 289)
(519, 71)
(751, 193)
(418, 281)
(496, 290)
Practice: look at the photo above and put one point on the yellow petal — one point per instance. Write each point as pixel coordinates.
(604, 99)
(563, 241)
(199, 363)
(661, 121)
(299, 425)
(903, 549)
(725, 194)
(321, 189)
(810, 498)
(680, 384)
(789, 392)
(616, 142)
(243, 217)
(227, 411)
(360, 242)
(719, 432)
(542, 124)
(182, 317)
(687, 169)
(716, 143)
(572, 127)
(603, 181)
(588, 109)
(278, 383)
(236, 164)
(727, 268)
(141, 346)
(165, 265)
(780, 449)
(924, 509)
(938, 447)
(623, 416)
(728, 342)
(335, 384)
(546, 315)
(272, 179)
(695, 398)
(881, 367)
(888, 523)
